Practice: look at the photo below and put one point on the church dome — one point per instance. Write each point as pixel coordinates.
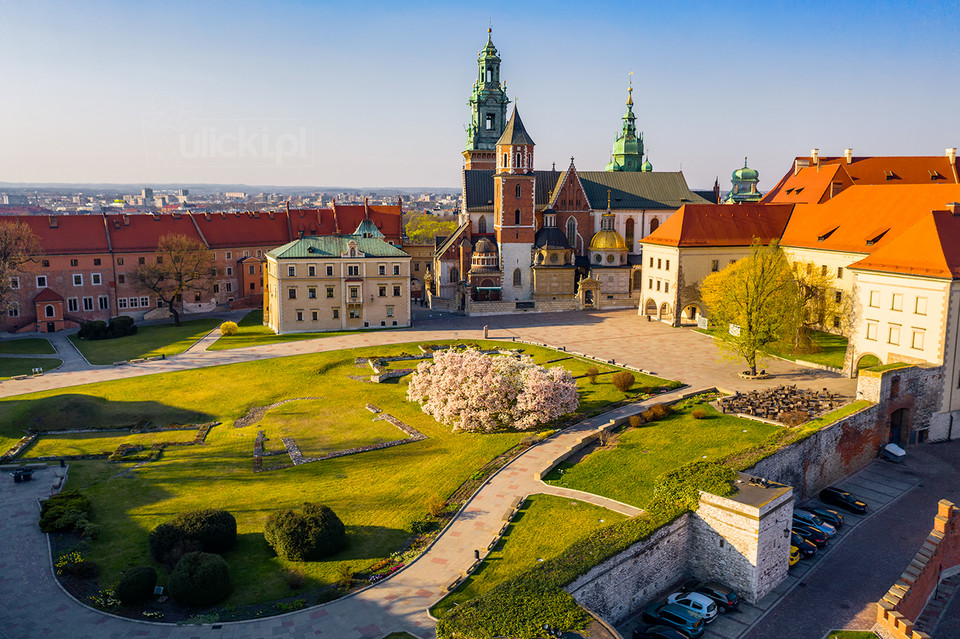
(646, 167)
(746, 174)
(608, 240)
(484, 246)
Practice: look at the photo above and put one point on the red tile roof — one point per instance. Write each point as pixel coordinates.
(227, 230)
(48, 295)
(142, 233)
(930, 247)
(722, 225)
(73, 234)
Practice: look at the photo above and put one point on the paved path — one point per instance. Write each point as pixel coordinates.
(35, 606)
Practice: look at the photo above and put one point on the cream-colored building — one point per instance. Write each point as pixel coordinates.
(337, 282)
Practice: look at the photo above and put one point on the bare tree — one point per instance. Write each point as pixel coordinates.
(183, 264)
(19, 248)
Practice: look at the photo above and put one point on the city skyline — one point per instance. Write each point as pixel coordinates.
(375, 96)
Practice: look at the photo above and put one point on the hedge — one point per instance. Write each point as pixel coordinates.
(208, 530)
(200, 579)
(308, 535)
(136, 585)
(62, 512)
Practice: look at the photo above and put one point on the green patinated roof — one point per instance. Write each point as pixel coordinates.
(321, 246)
(650, 190)
(515, 133)
(369, 229)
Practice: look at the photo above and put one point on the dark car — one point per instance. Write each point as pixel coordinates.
(660, 632)
(725, 598)
(806, 548)
(810, 533)
(847, 501)
(674, 616)
(829, 515)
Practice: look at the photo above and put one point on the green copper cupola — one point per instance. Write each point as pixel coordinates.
(627, 154)
(488, 101)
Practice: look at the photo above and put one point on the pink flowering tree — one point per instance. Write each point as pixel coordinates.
(474, 392)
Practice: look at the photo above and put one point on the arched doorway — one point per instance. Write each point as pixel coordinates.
(865, 360)
(690, 313)
(664, 311)
(650, 308)
(416, 288)
(899, 425)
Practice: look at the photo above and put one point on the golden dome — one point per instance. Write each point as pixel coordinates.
(607, 240)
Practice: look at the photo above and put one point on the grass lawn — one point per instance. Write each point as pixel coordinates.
(252, 332)
(852, 634)
(830, 349)
(162, 339)
(545, 527)
(628, 471)
(377, 494)
(28, 346)
(94, 443)
(13, 366)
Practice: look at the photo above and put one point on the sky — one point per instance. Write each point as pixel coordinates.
(373, 94)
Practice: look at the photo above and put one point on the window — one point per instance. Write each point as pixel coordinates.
(329, 291)
(396, 291)
(518, 191)
(659, 263)
(291, 271)
(216, 288)
(838, 296)
(15, 282)
(381, 269)
(329, 270)
(572, 231)
(252, 286)
(49, 311)
(650, 284)
(88, 303)
(196, 296)
(354, 313)
(141, 260)
(894, 387)
(14, 309)
(382, 291)
(504, 160)
(314, 315)
(921, 306)
(77, 279)
(229, 287)
(45, 263)
(454, 276)
(73, 304)
(95, 279)
(823, 270)
(654, 224)
(299, 316)
(416, 266)
(312, 293)
(336, 313)
(658, 285)
(668, 265)
(121, 302)
(73, 263)
(715, 266)
(874, 299)
(121, 279)
(839, 272)
(516, 218)
(246, 253)
(917, 341)
(666, 287)
(396, 269)
(629, 233)
(518, 159)
(291, 293)
(517, 277)
(354, 292)
(41, 281)
(353, 269)
(311, 270)
(482, 224)
(353, 251)
(119, 261)
(134, 302)
(489, 120)
(389, 311)
(96, 261)
(259, 253)
(159, 259)
(159, 303)
(251, 271)
(894, 336)
(229, 255)
(897, 303)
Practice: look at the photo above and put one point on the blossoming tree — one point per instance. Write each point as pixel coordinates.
(475, 392)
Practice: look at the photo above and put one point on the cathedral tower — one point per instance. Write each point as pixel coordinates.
(514, 197)
(488, 110)
(627, 154)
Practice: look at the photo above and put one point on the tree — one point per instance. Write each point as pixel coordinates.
(758, 294)
(421, 228)
(19, 247)
(183, 264)
(818, 304)
(475, 392)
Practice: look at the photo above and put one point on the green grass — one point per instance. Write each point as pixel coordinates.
(868, 361)
(829, 349)
(28, 346)
(399, 635)
(94, 443)
(885, 367)
(252, 332)
(852, 634)
(377, 494)
(545, 527)
(13, 366)
(628, 471)
(164, 339)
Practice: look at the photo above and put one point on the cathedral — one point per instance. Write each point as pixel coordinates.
(547, 240)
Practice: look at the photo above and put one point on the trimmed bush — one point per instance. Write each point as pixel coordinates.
(96, 329)
(657, 411)
(229, 328)
(136, 585)
(121, 326)
(698, 413)
(636, 421)
(168, 544)
(63, 511)
(309, 534)
(623, 380)
(200, 579)
(592, 373)
(216, 530)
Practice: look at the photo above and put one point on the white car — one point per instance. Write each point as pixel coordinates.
(695, 602)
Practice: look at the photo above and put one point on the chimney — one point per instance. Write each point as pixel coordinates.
(848, 153)
(954, 208)
(814, 157)
(952, 154)
(800, 163)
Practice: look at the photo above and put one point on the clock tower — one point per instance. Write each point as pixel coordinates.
(488, 110)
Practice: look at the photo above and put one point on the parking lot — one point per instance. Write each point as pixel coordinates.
(883, 486)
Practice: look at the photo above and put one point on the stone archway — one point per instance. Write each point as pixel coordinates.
(650, 308)
(865, 360)
(664, 311)
(690, 314)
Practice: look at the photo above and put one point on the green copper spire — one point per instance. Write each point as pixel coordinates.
(488, 101)
(744, 183)
(627, 152)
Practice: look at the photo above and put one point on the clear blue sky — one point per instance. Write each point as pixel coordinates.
(374, 94)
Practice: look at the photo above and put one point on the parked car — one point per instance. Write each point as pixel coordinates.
(794, 555)
(806, 548)
(700, 604)
(810, 533)
(725, 598)
(809, 519)
(660, 632)
(675, 616)
(847, 501)
(829, 515)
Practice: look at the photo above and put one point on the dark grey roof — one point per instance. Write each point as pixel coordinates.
(708, 195)
(652, 190)
(550, 237)
(448, 241)
(478, 188)
(515, 133)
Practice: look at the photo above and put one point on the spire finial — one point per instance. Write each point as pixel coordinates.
(744, 161)
(608, 200)
(630, 89)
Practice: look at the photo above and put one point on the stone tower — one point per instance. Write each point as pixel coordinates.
(627, 154)
(744, 183)
(514, 201)
(488, 110)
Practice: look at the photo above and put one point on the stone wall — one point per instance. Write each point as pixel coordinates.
(898, 610)
(917, 389)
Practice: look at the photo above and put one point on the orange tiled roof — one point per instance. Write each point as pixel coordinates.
(930, 247)
(862, 219)
(722, 225)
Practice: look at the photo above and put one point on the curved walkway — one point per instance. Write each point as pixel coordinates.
(34, 604)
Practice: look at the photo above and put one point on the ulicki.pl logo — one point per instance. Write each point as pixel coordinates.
(181, 135)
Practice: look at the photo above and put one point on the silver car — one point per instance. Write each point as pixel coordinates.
(806, 517)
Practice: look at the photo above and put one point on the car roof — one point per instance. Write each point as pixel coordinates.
(680, 611)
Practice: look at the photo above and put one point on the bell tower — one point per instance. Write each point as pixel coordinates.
(488, 110)
(514, 204)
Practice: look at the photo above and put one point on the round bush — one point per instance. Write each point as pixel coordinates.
(136, 585)
(216, 530)
(200, 579)
(309, 534)
(168, 544)
(229, 328)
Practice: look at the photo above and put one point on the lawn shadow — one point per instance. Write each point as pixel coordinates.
(77, 411)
